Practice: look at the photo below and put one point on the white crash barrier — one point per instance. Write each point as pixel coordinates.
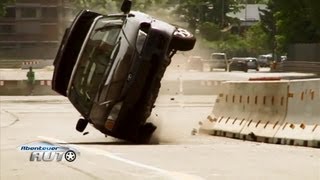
(302, 123)
(267, 106)
(286, 112)
(230, 113)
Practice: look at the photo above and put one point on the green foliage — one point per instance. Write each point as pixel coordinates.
(253, 1)
(252, 43)
(284, 22)
(113, 6)
(197, 12)
(291, 21)
(102, 6)
(234, 46)
(3, 4)
(210, 31)
(257, 40)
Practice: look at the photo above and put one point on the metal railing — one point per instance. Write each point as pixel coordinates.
(297, 66)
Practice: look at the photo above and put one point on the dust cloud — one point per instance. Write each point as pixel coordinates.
(175, 124)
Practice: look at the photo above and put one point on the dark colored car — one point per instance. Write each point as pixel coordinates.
(238, 64)
(110, 68)
(252, 63)
(194, 63)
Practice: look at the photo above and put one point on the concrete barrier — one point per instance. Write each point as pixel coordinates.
(267, 105)
(283, 112)
(302, 123)
(36, 64)
(21, 87)
(200, 87)
(230, 113)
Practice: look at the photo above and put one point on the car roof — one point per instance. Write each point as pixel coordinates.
(218, 54)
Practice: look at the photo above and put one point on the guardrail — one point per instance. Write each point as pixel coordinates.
(297, 66)
(21, 87)
(25, 64)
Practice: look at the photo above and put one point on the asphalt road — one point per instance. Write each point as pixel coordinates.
(176, 154)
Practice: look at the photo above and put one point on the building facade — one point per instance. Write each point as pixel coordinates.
(32, 29)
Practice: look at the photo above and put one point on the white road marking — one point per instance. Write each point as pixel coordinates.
(171, 175)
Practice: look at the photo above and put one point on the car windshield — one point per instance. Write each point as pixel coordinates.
(95, 60)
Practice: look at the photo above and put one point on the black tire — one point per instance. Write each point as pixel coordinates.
(145, 133)
(81, 125)
(182, 40)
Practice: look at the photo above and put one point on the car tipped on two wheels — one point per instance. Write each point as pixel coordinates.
(110, 68)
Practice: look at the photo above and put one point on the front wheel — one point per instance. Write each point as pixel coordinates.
(182, 40)
(145, 133)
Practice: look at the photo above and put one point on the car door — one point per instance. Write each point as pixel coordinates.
(69, 50)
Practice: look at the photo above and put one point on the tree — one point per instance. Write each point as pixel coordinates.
(257, 40)
(268, 25)
(291, 21)
(102, 6)
(253, 1)
(3, 4)
(197, 12)
(113, 6)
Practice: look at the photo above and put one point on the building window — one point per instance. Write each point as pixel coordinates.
(28, 12)
(10, 12)
(7, 29)
(8, 45)
(49, 12)
(28, 45)
(28, 27)
(50, 45)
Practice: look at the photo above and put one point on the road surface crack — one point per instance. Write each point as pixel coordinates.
(13, 122)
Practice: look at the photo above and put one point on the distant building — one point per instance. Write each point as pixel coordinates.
(247, 16)
(32, 29)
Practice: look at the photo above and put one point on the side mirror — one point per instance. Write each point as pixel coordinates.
(126, 6)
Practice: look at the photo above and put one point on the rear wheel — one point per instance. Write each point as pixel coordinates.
(81, 125)
(182, 40)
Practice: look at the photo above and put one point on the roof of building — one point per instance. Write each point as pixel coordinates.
(250, 12)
